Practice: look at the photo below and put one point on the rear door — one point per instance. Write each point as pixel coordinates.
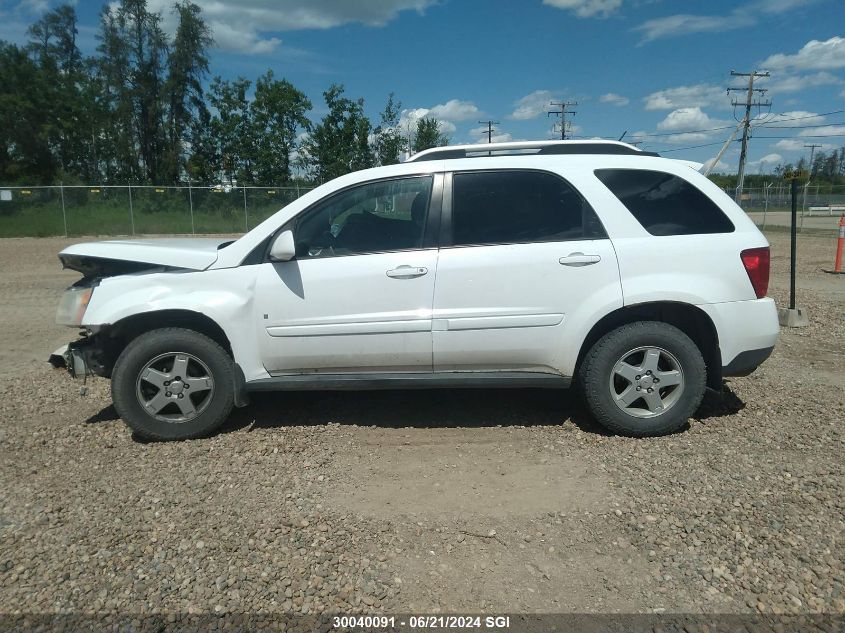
(524, 265)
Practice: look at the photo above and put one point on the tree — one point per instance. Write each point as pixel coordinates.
(114, 97)
(53, 39)
(233, 128)
(187, 67)
(203, 160)
(428, 134)
(340, 143)
(60, 77)
(147, 47)
(25, 151)
(389, 143)
(278, 115)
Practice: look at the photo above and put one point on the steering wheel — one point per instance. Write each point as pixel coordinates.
(326, 243)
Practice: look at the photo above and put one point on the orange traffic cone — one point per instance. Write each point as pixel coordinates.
(840, 247)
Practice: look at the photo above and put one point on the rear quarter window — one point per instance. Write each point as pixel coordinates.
(665, 204)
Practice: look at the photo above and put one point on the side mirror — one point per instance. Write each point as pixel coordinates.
(283, 248)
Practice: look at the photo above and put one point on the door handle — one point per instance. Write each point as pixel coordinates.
(579, 259)
(407, 272)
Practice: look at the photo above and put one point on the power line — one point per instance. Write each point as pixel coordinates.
(562, 114)
(489, 125)
(803, 136)
(680, 149)
(711, 129)
(746, 119)
(800, 127)
(799, 118)
(757, 125)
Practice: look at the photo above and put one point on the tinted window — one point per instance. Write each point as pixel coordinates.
(379, 216)
(665, 204)
(498, 207)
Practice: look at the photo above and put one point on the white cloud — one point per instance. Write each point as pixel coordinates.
(814, 55)
(532, 105)
(768, 159)
(615, 99)
(827, 130)
(789, 145)
(33, 6)
(686, 137)
(445, 113)
(779, 6)
(245, 26)
(587, 8)
(742, 16)
(687, 119)
(479, 135)
(798, 145)
(456, 110)
(409, 118)
(700, 95)
(231, 38)
(794, 117)
(691, 124)
(721, 166)
(794, 83)
(682, 24)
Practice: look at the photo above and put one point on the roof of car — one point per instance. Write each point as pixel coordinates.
(530, 148)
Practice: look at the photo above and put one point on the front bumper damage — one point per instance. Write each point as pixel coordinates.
(82, 358)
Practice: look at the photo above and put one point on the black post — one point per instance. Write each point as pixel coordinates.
(793, 244)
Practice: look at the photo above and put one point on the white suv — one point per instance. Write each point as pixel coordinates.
(504, 265)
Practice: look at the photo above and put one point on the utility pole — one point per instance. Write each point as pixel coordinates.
(562, 112)
(489, 125)
(812, 147)
(746, 121)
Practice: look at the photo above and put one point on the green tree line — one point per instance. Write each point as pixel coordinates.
(143, 110)
(828, 168)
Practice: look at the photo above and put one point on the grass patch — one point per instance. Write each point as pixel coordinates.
(153, 211)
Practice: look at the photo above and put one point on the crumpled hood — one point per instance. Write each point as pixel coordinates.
(122, 256)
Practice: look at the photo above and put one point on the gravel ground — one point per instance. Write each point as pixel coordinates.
(508, 501)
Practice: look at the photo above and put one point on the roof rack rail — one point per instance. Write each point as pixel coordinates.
(529, 148)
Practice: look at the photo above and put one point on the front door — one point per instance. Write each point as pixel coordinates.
(524, 266)
(358, 294)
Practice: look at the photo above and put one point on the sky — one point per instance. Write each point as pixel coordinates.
(656, 69)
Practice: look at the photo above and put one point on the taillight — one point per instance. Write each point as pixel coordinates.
(756, 262)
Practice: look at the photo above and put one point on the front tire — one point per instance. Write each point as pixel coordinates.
(643, 379)
(173, 384)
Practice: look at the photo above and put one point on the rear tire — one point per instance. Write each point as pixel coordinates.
(643, 379)
(173, 384)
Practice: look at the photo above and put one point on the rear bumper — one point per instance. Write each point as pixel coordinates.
(747, 361)
(747, 331)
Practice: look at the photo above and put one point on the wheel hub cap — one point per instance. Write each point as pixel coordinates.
(175, 387)
(646, 381)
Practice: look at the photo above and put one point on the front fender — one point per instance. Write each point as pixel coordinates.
(225, 296)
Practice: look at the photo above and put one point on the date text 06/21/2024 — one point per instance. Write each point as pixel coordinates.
(490, 623)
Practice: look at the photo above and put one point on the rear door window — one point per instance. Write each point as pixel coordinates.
(665, 204)
(518, 206)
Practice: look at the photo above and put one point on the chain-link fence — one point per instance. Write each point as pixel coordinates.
(819, 205)
(137, 209)
(145, 209)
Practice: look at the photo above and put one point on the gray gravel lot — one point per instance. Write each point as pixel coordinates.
(509, 501)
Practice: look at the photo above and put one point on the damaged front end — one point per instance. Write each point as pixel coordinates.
(89, 354)
(82, 358)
